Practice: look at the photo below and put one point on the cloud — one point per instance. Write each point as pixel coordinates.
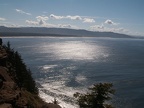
(120, 30)
(110, 22)
(2, 19)
(100, 27)
(22, 12)
(97, 27)
(76, 17)
(103, 28)
(88, 20)
(31, 22)
(64, 26)
(56, 17)
(9, 24)
(67, 26)
(39, 23)
(42, 19)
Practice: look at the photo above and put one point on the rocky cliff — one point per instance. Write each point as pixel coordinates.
(13, 94)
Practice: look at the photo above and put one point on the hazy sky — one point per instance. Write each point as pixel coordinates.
(122, 16)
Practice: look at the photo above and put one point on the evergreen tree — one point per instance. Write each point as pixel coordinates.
(23, 75)
(96, 96)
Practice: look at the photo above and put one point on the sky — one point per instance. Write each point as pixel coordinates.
(120, 16)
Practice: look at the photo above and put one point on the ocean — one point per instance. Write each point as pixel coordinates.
(62, 66)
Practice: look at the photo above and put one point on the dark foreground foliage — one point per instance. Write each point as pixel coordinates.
(96, 97)
(18, 69)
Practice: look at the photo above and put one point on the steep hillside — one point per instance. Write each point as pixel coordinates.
(17, 87)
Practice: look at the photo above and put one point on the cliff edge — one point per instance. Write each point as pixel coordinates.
(17, 87)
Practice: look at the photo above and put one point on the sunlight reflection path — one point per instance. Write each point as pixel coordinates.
(76, 50)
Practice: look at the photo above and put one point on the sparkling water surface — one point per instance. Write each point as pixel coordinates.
(62, 66)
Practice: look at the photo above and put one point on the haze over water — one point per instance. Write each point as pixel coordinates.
(62, 66)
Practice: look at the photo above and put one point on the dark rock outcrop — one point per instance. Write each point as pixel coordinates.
(0, 41)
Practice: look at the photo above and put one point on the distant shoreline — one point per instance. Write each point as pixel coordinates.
(56, 32)
(67, 37)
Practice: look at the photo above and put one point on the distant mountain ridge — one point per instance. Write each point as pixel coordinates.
(43, 31)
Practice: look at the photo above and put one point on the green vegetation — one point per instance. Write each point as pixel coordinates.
(96, 97)
(18, 69)
(19, 89)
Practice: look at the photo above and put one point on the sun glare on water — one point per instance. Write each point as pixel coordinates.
(75, 50)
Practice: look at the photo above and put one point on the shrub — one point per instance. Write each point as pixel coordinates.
(96, 96)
